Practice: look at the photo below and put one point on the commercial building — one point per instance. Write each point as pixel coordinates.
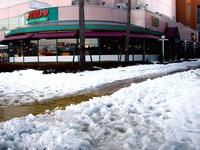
(40, 31)
(195, 15)
(189, 15)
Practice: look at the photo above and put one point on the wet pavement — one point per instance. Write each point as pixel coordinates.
(9, 112)
(110, 88)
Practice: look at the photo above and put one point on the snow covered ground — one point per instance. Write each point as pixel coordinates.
(163, 113)
(27, 86)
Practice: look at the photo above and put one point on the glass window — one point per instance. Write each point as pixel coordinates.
(47, 47)
(150, 47)
(31, 48)
(198, 18)
(9, 24)
(198, 12)
(19, 48)
(66, 46)
(11, 49)
(110, 46)
(198, 26)
(188, 7)
(3, 24)
(14, 22)
(138, 49)
(91, 45)
(34, 48)
(91, 42)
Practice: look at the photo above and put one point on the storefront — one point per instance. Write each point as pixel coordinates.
(52, 35)
(4, 53)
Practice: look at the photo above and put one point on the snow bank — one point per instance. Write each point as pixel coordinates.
(28, 86)
(157, 114)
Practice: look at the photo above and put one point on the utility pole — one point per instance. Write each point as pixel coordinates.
(82, 32)
(128, 31)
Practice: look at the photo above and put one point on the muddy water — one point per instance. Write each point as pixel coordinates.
(9, 112)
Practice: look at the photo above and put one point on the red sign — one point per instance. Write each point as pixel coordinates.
(61, 43)
(37, 14)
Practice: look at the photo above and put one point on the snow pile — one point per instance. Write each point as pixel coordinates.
(28, 86)
(163, 113)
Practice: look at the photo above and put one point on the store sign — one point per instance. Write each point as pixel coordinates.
(194, 36)
(155, 21)
(37, 16)
(41, 15)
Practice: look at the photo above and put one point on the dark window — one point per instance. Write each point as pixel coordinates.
(198, 18)
(188, 7)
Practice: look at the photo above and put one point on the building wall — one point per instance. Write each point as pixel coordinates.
(184, 31)
(139, 17)
(11, 10)
(167, 7)
(9, 3)
(194, 13)
(186, 15)
(95, 13)
(181, 14)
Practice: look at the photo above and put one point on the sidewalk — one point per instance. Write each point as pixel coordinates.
(110, 88)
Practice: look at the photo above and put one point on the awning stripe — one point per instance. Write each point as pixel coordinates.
(144, 36)
(72, 34)
(53, 35)
(103, 34)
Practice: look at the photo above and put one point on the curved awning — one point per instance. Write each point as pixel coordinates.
(18, 37)
(57, 35)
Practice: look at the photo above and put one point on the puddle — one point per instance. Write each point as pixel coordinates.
(9, 112)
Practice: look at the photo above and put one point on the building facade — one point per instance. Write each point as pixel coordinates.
(189, 13)
(195, 15)
(39, 31)
(184, 12)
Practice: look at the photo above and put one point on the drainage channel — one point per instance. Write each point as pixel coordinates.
(9, 112)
